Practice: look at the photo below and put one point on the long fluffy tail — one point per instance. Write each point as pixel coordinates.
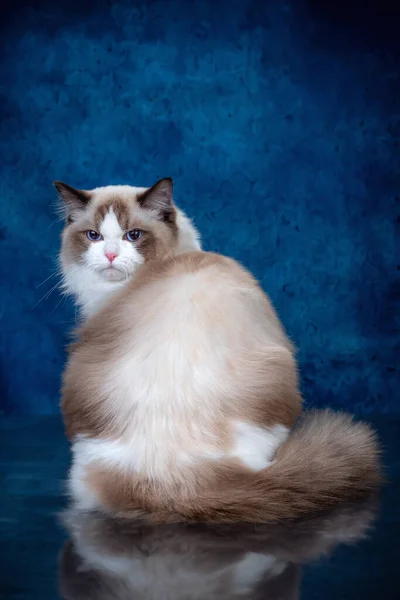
(328, 461)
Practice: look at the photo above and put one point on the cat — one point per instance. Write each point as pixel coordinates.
(110, 231)
(181, 393)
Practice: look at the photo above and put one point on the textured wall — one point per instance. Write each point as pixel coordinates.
(279, 122)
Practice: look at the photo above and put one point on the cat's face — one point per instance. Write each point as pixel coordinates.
(110, 231)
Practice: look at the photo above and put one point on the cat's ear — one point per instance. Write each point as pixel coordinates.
(73, 200)
(159, 198)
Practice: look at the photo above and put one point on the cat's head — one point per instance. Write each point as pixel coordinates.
(110, 231)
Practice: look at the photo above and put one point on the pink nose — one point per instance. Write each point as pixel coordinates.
(111, 256)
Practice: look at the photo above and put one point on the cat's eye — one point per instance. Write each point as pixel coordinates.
(134, 235)
(93, 236)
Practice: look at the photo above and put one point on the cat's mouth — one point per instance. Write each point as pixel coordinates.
(113, 273)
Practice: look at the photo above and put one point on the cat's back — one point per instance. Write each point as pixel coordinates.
(202, 293)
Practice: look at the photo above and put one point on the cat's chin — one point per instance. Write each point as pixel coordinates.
(113, 274)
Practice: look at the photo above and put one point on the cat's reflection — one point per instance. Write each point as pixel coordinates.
(110, 559)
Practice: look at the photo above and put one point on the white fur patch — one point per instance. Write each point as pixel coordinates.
(80, 492)
(90, 289)
(110, 228)
(256, 446)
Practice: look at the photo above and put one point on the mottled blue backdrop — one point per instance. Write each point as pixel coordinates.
(279, 122)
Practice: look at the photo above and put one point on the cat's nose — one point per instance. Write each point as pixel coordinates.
(111, 256)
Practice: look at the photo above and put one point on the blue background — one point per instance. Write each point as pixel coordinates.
(279, 122)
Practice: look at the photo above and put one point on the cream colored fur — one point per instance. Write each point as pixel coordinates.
(190, 348)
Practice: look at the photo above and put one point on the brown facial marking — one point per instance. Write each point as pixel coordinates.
(123, 214)
(121, 209)
(157, 243)
(128, 215)
(76, 244)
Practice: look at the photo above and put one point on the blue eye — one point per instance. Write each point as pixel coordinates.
(134, 235)
(93, 236)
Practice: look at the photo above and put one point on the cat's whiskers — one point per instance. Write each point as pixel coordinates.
(59, 284)
(47, 294)
(65, 294)
(62, 301)
(59, 219)
(56, 273)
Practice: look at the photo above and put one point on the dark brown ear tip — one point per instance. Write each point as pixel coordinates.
(167, 180)
(59, 185)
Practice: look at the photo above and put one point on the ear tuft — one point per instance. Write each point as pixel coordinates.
(74, 200)
(159, 198)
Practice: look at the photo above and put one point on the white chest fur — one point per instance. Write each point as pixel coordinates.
(90, 290)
